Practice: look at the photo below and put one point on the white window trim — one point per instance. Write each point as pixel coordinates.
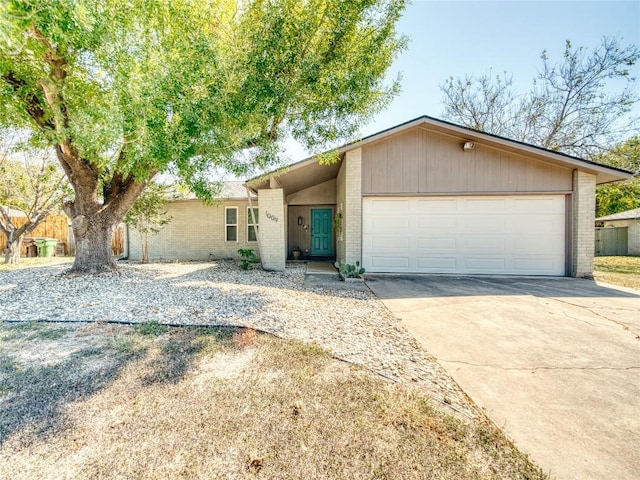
(254, 225)
(230, 224)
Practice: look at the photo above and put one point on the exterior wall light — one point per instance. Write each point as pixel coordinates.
(468, 146)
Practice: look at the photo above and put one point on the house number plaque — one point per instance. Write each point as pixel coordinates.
(272, 217)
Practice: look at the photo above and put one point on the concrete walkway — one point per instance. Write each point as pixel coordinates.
(555, 362)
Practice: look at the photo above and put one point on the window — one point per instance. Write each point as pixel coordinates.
(231, 224)
(252, 224)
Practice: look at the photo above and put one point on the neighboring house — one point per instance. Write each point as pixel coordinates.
(629, 219)
(202, 232)
(429, 196)
(12, 212)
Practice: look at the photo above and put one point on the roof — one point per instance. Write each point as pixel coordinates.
(231, 190)
(604, 174)
(13, 212)
(633, 214)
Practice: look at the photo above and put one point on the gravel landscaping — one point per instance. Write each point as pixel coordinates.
(354, 325)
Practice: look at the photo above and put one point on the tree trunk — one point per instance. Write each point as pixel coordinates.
(145, 247)
(12, 248)
(93, 238)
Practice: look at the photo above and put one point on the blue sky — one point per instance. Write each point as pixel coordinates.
(456, 38)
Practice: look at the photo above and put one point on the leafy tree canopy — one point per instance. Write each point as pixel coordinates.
(126, 89)
(620, 196)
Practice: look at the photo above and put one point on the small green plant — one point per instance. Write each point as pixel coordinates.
(337, 224)
(247, 258)
(153, 328)
(347, 270)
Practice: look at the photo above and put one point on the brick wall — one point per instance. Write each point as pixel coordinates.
(340, 209)
(584, 201)
(352, 216)
(196, 232)
(272, 229)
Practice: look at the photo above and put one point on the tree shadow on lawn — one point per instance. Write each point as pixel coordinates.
(33, 398)
(177, 355)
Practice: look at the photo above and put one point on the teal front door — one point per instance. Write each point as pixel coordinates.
(321, 234)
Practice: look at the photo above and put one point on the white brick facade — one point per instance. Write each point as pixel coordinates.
(195, 232)
(353, 206)
(272, 229)
(584, 204)
(349, 203)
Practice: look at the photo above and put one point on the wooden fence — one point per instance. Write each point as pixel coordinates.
(54, 226)
(611, 241)
(57, 226)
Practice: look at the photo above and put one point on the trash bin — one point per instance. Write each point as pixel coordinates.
(30, 247)
(46, 246)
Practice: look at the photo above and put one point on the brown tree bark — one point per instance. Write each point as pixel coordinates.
(93, 238)
(12, 247)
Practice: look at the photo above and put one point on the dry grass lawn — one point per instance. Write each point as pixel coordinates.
(26, 262)
(102, 401)
(624, 271)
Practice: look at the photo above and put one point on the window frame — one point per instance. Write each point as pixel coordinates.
(227, 225)
(254, 225)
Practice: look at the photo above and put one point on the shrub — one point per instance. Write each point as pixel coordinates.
(247, 258)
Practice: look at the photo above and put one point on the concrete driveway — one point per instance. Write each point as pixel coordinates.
(555, 362)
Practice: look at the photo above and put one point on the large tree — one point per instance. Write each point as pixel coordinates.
(125, 90)
(578, 105)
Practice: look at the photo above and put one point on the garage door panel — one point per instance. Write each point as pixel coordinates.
(483, 265)
(389, 223)
(390, 243)
(484, 245)
(465, 235)
(392, 263)
(478, 224)
(534, 265)
(389, 206)
(536, 206)
(484, 205)
(437, 206)
(437, 264)
(436, 244)
(436, 224)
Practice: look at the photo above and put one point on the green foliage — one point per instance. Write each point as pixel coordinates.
(337, 224)
(147, 214)
(126, 90)
(620, 196)
(151, 328)
(174, 85)
(578, 105)
(247, 258)
(347, 270)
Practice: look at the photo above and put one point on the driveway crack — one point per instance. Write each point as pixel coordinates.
(601, 367)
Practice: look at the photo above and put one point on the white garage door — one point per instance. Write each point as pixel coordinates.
(521, 235)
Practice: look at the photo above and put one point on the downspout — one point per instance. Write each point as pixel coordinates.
(255, 225)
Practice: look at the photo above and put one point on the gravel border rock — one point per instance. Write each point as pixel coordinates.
(354, 325)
